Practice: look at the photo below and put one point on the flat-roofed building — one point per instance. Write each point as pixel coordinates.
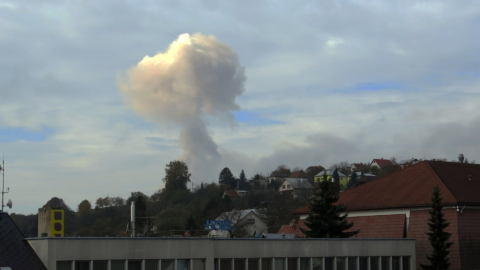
(224, 254)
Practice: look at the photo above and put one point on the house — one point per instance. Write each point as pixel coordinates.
(380, 163)
(367, 177)
(343, 178)
(298, 186)
(407, 162)
(358, 167)
(298, 174)
(289, 229)
(245, 223)
(15, 251)
(397, 206)
(234, 194)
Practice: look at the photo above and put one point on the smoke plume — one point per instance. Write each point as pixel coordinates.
(195, 77)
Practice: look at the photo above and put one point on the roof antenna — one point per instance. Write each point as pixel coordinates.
(2, 171)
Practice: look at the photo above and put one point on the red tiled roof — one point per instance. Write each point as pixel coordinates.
(231, 193)
(298, 174)
(298, 231)
(382, 162)
(359, 165)
(387, 226)
(287, 229)
(412, 187)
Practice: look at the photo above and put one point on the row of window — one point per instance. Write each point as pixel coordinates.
(194, 264)
(321, 263)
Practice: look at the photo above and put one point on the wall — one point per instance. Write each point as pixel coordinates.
(419, 225)
(44, 221)
(69, 249)
(469, 237)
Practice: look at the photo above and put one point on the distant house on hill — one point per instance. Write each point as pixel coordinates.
(298, 186)
(298, 174)
(343, 178)
(380, 163)
(367, 177)
(246, 223)
(234, 194)
(408, 162)
(358, 167)
(289, 229)
(277, 176)
(397, 206)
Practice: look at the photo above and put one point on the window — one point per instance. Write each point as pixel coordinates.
(317, 263)
(266, 264)
(374, 263)
(167, 264)
(396, 263)
(197, 264)
(363, 263)
(292, 263)
(406, 263)
(182, 265)
(253, 264)
(304, 264)
(341, 263)
(239, 264)
(385, 263)
(329, 263)
(251, 221)
(283, 186)
(82, 265)
(352, 263)
(100, 265)
(151, 265)
(117, 265)
(279, 264)
(65, 265)
(225, 264)
(134, 265)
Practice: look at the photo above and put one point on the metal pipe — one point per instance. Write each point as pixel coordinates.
(132, 218)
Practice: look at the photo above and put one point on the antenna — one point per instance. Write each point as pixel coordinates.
(2, 171)
(9, 204)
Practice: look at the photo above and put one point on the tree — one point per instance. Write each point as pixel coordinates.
(243, 178)
(325, 220)
(226, 178)
(437, 236)
(176, 176)
(281, 169)
(84, 206)
(353, 180)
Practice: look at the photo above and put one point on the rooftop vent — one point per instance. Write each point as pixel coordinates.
(460, 158)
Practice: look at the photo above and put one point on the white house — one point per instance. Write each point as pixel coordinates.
(299, 187)
(246, 223)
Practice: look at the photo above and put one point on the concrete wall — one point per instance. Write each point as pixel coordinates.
(51, 250)
(44, 216)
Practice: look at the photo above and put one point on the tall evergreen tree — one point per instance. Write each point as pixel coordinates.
(226, 178)
(325, 219)
(353, 180)
(243, 178)
(437, 236)
(336, 177)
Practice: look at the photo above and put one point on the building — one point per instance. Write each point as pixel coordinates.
(298, 186)
(397, 205)
(380, 163)
(358, 167)
(343, 178)
(118, 253)
(246, 223)
(234, 194)
(408, 162)
(15, 252)
(367, 177)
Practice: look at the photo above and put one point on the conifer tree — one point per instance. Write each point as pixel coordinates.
(353, 180)
(437, 236)
(325, 219)
(243, 178)
(335, 176)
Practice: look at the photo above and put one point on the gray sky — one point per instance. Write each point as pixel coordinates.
(325, 82)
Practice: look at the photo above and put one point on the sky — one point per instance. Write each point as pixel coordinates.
(323, 82)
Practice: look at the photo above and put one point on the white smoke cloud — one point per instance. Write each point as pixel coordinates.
(195, 77)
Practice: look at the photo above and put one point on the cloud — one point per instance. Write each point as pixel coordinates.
(195, 77)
